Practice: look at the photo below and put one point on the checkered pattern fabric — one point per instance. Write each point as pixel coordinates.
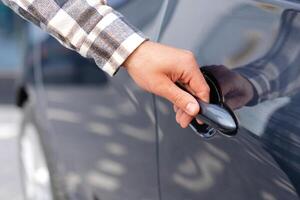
(90, 27)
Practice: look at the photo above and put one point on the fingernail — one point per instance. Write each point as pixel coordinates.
(192, 108)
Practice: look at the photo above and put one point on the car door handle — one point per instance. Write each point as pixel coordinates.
(216, 115)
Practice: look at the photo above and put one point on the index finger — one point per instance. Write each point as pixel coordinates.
(198, 85)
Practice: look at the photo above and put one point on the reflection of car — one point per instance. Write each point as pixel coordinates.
(6, 18)
(86, 136)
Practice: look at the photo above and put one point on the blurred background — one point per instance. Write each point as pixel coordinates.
(12, 45)
(16, 39)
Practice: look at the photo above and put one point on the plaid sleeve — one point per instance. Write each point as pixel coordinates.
(90, 27)
(259, 81)
(272, 80)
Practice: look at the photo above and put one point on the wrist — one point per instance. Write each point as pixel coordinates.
(137, 55)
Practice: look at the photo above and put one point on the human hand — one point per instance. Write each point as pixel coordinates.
(156, 68)
(236, 89)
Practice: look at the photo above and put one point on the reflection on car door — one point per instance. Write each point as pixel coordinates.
(233, 33)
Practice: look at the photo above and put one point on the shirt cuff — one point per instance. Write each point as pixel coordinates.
(122, 53)
(259, 83)
(111, 42)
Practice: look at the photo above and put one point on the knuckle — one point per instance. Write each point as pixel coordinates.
(178, 99)
(190, 70)
(205, 92)
(206, 89)
(189, 57)
(189, 53)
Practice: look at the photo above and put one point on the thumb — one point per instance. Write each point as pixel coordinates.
(178, 97)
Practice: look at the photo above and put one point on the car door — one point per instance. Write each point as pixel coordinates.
(262, 160)
(101, 130)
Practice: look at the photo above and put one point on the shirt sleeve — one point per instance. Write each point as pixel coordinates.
(90, 27)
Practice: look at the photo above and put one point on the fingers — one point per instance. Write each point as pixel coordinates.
(178, 97)
(178, 115)
(198, 84)
(183, 118)
(175, 108)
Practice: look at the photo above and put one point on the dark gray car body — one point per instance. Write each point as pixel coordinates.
(107, 139)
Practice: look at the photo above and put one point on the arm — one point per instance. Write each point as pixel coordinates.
(96, 31)
(89, 27)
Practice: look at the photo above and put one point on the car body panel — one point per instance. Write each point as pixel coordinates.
(101, 131)
(243, 167)
(110, 140)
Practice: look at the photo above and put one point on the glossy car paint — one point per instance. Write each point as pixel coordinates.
(244, 167)
(100, 131)
(107, 139)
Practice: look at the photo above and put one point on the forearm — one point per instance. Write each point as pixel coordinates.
(90, 27)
